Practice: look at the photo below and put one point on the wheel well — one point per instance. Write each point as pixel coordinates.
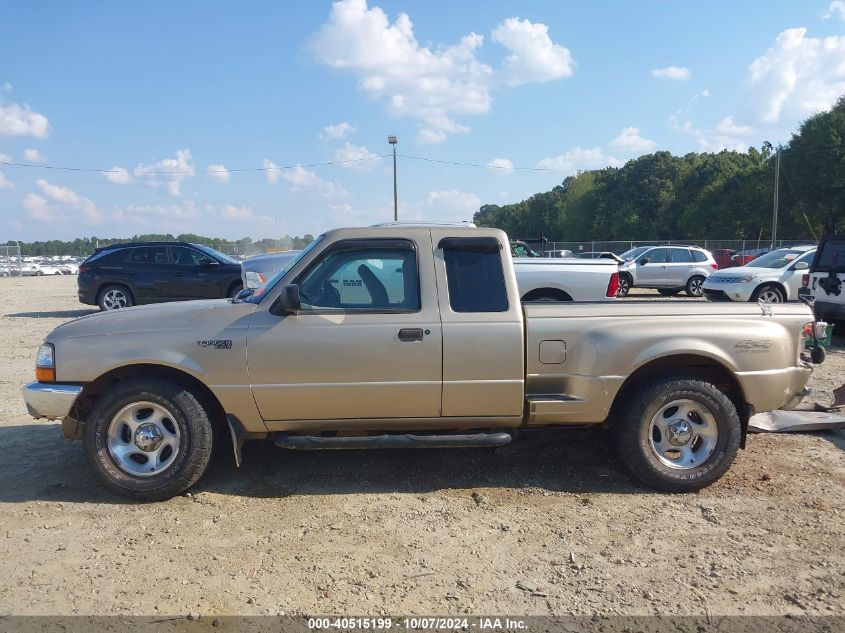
(690, 366)
(233, 285)
(94, 389)
(546, 293)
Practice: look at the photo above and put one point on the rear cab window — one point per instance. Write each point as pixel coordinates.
(474, 274)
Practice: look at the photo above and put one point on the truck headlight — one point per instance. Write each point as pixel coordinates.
(45, 363)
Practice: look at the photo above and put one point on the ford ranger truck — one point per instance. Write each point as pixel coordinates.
(413, 337)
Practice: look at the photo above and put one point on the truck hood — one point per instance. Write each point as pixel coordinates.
(153, 318)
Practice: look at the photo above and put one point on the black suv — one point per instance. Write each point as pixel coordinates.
(123, 275)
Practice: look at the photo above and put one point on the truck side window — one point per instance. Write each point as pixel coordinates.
(474, 274)
(369, 277)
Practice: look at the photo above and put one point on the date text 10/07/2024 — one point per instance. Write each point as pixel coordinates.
(417, 624)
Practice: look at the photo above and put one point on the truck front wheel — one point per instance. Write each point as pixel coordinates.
(148, 439)
(677, 434)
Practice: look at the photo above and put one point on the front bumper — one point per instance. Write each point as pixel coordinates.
(727, 292)
(46, 400)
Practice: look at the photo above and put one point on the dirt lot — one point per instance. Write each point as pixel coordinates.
(553, 528)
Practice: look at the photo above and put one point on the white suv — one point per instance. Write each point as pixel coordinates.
(669, 269)
(774, 277)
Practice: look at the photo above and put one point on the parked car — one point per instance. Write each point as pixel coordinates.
(559, 254)
(724, 257)
(774, 277)
(601, 255)
(825, 277)
(669, 269)
(69, 268)
(124, 275)
(39, 270)
(748, 255)
(424, 344)
(255, 271)
(521, 249)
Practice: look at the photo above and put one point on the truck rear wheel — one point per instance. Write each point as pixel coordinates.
(677, 434)
(148, 439)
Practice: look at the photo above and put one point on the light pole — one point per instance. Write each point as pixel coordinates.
(392, 140)
(777, 190)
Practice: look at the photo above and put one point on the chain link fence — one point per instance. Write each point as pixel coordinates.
(10, 261)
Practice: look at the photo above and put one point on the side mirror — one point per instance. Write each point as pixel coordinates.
(287, 301)
(801, 266)
(643, 261)
(208, 262)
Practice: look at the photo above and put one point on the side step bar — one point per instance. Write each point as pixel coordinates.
(312, 442)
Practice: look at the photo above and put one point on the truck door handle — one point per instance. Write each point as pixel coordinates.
(409, 334)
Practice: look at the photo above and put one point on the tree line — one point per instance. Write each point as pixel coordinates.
(723, 195)
(84, 246)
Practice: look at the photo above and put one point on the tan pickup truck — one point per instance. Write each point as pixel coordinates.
(413, 336)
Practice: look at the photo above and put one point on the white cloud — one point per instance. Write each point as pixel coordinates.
(5, 158)
(60, 203)
(680, 73)
(799, 75)
(167, 172)
(836, 9)
(534, 57)
(339, 130)
(7, 87)
(502, 165)
(118, 175)
(5, 183)
(218, 173)
(305, 180)
(365, 160)
(726, 135)
(271, 171)
(237, 213)
(453, 200)
(631, 139)
(137, 213)
(33, 156)
(20, 120)
(432, 84)
(579, 159)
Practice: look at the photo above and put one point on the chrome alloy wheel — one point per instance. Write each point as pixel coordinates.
(683, 434)
(114, 299)
(143, 439)
(769, 295)
(695, 287)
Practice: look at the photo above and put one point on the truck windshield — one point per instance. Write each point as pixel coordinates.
(259, 293)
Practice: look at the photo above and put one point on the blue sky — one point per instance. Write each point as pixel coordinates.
(189, 87)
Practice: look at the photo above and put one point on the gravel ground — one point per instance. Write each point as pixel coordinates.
(546, 527)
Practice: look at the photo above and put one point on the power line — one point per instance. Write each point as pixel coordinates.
(483, 166)
(191, 173)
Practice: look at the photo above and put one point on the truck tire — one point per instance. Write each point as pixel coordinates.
(148, 439)
(694, 284)
(114, 297)
(677, 434)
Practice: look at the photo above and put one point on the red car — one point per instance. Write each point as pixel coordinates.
(723, 257)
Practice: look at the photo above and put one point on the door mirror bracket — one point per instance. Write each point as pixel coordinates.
(288, 302)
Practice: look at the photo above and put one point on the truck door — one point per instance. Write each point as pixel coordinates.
(366, 343)
(483, 336)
